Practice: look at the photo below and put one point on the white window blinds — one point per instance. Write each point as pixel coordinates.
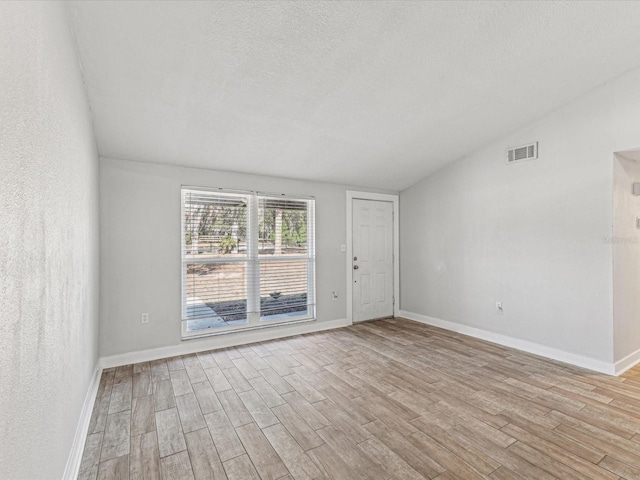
(285, 239)
(248, 259)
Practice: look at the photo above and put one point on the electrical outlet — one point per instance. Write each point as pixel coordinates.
(343, 248)
(144, 318)
(335, 295)
(499, 308)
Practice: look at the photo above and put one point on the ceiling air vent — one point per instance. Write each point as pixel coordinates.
(524, 152)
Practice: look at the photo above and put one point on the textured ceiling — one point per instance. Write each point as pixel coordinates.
(375, 94)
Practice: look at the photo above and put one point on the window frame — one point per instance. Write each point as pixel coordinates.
(253, 260)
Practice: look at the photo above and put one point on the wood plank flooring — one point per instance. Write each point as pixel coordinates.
(390, 399)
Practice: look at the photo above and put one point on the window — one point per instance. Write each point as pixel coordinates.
(248, 260)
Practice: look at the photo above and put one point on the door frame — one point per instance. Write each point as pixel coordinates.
(383, 197)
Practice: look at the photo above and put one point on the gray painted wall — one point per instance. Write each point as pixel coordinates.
(140, 249)
(626, 256)
(531, 235)
(48, 241)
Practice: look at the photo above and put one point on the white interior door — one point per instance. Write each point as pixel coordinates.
(372, 261)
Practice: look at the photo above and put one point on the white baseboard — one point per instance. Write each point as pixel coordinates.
(221, 341)
(627, 362)
(524, 345)
(75, 456)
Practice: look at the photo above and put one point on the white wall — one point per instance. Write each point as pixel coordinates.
(530, 235)
(48, 241)
(140, 251)
(626, 256)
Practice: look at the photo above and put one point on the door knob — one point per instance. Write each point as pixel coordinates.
(355, 267)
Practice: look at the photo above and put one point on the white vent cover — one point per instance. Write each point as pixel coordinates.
(523, 152)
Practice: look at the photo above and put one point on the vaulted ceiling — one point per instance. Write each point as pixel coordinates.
(367, 93)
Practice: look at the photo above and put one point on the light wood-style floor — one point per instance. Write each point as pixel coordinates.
(390, 399)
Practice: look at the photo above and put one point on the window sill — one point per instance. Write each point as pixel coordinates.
(209, 333)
